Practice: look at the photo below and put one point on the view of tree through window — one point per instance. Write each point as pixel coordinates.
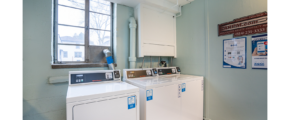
(73, 26)
(100, 23)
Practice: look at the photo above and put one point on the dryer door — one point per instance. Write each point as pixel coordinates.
(112, 109)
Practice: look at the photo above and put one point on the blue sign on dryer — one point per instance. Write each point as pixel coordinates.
(149, 94)
(183, 87)
(131, 102)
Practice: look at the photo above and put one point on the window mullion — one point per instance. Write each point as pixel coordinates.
(87, 20)
(55, 45)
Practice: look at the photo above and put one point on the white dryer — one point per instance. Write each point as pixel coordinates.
(191, 92)
(101, 95)
(159, 97)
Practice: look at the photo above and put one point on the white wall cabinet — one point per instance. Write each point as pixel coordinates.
(156, 31)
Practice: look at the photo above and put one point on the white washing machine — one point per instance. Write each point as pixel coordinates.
(159, 97)
(192, 88)
(101, 95)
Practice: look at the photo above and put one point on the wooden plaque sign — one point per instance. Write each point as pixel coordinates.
(252, 24)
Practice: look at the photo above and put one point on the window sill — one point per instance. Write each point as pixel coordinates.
(80, 65)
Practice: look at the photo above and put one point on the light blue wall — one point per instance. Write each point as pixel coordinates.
(230, 94)
(122, 35)
(190, 28)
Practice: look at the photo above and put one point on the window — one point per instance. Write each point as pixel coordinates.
(82, 28)
(64, 54)
(78, 54)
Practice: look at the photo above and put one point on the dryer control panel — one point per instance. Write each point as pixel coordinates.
(139, 73)
(87, 77)
(168, 71)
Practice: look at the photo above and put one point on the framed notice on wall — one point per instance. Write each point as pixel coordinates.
(259, 51)
(234, 53)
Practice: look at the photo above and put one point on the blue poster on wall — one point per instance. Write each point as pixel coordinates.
(259, 51)
(235, 53)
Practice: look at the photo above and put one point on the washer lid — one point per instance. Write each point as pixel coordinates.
(153, 82)
(93, 91)
(184, 77)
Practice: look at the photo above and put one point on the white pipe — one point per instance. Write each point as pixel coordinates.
(176, 4)
(179, 11)
(132, 58)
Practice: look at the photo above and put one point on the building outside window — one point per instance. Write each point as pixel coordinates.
(64, 54)
(82, 29)
(78, 55)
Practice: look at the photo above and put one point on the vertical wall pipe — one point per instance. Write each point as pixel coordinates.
(132, 58)
(179, 9)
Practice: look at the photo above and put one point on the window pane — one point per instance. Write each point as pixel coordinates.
(64, 54)
(73, 3)
(100, 6)
(98, 37)
(78, 54)
(69, 51)
(70, 35)
(70, 16)
(99, 21)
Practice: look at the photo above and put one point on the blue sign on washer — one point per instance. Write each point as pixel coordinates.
(149, 94)
(183, 87)
(131, 102)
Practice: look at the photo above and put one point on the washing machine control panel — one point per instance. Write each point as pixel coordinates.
(78, 78)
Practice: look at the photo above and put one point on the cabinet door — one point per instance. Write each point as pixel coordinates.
(192, 101)
(156, 31)
(113, 109)
(165, 104)
(157, 27)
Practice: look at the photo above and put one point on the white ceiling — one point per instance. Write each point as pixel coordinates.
(130, 3)
(134, 3)
(181, 2)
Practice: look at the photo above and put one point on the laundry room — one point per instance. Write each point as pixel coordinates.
(145, 60)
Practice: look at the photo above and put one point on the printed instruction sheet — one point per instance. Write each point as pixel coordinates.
(235, 53)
